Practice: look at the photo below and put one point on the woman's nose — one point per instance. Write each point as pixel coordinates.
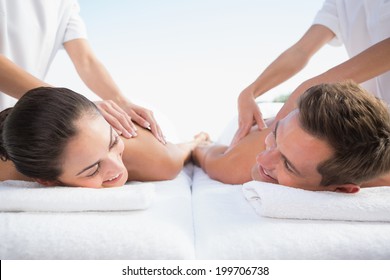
(115, 161)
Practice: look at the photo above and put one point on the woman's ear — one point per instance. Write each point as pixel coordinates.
(347, 188)
(48, 183)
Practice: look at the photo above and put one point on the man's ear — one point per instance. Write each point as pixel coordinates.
(347, 188)
(48, 183)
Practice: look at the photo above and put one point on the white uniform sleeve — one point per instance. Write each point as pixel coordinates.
(75, 28)
(328, 16)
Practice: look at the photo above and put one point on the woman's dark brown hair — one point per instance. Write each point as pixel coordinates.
(36, 131)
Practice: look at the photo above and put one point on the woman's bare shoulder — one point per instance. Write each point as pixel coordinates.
(9, 172)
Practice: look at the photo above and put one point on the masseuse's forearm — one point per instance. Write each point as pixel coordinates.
(284, 67)
(93, 72)
(367, 65)
(14, 81)
(293, 60)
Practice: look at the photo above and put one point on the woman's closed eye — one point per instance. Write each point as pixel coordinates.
(96, 171)
(113, 144)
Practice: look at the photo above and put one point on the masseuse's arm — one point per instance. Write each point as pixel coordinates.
(14, 81)
(370, 63)
(97, 78)
(284, 67)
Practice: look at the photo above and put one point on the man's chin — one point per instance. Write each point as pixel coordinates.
(255, 174)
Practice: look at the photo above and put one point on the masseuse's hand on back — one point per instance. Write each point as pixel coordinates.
(249, 114)
(286, 65)
(119, 112)
(145, 118)
(122, 118)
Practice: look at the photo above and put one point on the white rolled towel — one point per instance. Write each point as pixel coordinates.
(32, 197)
(277, 201)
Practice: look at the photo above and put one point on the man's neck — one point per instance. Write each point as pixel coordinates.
(383, 180)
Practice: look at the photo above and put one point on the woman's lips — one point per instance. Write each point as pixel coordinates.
(113, 180)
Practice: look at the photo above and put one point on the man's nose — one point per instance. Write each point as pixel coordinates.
(269, 158)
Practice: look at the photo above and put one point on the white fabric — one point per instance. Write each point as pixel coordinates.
(163, 231)
(276, 201)
(359, 24)
(31, 33)
(227, 227)
(29, 196)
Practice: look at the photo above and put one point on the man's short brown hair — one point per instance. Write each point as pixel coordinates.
(355, 124)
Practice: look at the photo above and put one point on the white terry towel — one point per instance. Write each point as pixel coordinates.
(277, 201)
(29, 196)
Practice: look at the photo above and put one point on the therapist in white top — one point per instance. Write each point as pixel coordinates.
(31, 33)
(362, 26)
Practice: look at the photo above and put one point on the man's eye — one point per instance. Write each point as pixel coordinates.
(288, 167)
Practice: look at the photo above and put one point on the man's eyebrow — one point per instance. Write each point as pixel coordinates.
(92, 165)
(276, 129)
(283, 156)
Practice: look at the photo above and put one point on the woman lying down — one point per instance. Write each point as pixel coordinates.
(338, 139)
(57, 137)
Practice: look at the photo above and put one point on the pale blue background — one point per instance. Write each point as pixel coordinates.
(191, 59)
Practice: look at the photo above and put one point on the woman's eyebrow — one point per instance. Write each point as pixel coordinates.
(92, 165)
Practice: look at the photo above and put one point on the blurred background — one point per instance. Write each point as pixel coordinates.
(190, 59)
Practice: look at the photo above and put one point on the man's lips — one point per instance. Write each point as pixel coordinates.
(265, 175)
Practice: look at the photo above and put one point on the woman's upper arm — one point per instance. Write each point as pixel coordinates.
(79, 51)
(147, 159)
(314, 39)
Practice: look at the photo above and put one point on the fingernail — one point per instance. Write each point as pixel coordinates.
(127, 134)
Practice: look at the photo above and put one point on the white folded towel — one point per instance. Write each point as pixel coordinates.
(277, 201)
(29, 196)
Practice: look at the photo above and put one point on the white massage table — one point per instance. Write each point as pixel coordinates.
(227, 227)
(192, 217)
(163, 231)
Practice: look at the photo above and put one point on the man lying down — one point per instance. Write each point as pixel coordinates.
(338, 139)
